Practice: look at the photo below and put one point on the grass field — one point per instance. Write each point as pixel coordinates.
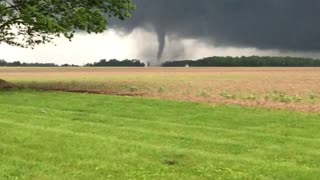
(59, 136)
(175, 128)
(278, 88)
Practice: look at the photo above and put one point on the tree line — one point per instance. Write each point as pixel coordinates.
(251, 61)
(23, 64)
(117, 63)
(101, 63)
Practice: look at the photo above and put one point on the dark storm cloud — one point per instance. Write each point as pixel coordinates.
(290, 25)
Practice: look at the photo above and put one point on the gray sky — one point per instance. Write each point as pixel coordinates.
(191, 29)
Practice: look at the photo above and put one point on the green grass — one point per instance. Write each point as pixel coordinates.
(79, 136)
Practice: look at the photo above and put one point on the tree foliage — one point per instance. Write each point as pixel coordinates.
(27, 23)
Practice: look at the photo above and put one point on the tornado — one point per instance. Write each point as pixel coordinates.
(161, 34)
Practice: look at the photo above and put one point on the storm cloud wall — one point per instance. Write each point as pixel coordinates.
(288, 25)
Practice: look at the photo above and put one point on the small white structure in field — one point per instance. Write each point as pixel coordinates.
(147, 64)
(187, 66)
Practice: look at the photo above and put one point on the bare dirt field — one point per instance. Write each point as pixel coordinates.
(279, 88)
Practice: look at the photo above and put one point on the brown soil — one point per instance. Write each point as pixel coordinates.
(5, 85)
(89, 91)
(204, 85)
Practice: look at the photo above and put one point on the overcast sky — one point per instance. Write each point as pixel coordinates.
(190, 29)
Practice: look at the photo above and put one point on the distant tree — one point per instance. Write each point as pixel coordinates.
(16, 63)
(2, 62)
(27, 23)
(69, 65)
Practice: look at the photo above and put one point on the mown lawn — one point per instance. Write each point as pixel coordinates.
(80, 136)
